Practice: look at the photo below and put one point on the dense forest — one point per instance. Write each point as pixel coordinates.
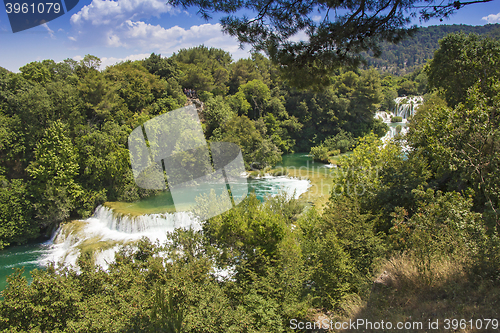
(424, 208)
(65, 125)
(412, 53)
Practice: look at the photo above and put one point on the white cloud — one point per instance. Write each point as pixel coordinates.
(121, 24)
(492, 18)
(105, 62)
(104, 12)
(299, 36)
(317, 18)
(50, 31)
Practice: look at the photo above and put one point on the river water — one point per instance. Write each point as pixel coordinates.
(33, 255)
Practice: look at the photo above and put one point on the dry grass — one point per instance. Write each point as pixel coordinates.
(402, 294)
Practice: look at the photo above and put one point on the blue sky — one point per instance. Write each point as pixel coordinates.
(131, 29)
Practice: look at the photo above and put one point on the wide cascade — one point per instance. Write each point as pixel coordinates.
(106, 231)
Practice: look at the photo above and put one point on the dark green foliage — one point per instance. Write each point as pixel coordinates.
(342, 141)
(445, 227)
(349, 105)
(204, 69)
(356, 233)
(344, 31)
(53, 173)
(396, 119)
(217, 113)
(412, 53)
(468, 142)
(379, 128)
(320, 153)
(342, 248)
(16, 216)
(165, 68)
(258, 152)
(462, 61)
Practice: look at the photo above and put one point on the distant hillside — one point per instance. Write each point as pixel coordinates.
(412, 53)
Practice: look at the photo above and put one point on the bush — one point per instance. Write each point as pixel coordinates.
(396, 119)
(335, 152)
(320, 153)
(380, 128)
(342, 141)
(205, 96)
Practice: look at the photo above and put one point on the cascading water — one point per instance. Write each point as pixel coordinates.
(107, 230)
(407, 106)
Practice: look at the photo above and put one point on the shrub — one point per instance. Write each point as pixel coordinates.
(320, 153)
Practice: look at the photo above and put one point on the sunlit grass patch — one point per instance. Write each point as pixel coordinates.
(401, 294)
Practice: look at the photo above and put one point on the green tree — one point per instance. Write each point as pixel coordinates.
(381, 177)
(461, 145)
(205, 69)
(16, 213)
(443, 227)
(365, 100)
(257, 95)
(165, 68)
(36, 71)
(342, 141)
(239, 103)
(320, 153)
(258, 151)
(53, 171)
(345, 30)
(460, 62)
(216, 112)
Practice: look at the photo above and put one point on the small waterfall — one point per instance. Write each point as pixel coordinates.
(407, 106)
(384, 116)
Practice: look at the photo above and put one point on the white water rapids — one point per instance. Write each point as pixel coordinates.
(107, 231)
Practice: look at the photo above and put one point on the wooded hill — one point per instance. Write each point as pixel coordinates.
(412, 53)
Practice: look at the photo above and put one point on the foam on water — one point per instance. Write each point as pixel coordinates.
(106, 227)
(271, 185)
(108, 230)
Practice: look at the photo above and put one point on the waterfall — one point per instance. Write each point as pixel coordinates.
(406, 106)
(120, 226)
(384, 116)
(106, 231)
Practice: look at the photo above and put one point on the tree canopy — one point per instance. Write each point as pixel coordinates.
(344, 29)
